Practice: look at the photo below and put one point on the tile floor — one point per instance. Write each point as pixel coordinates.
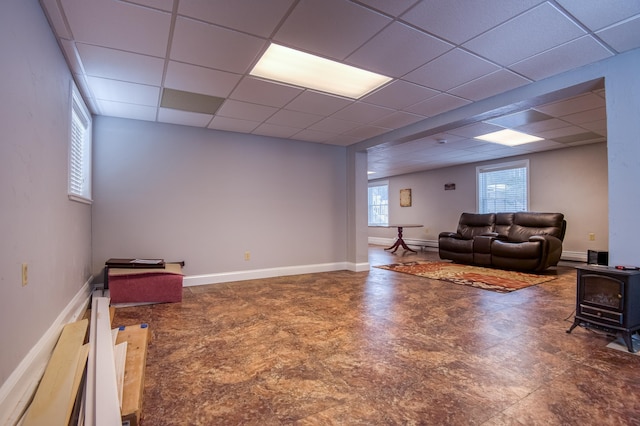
(380, 348)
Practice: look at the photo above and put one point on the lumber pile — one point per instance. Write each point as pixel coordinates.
(95, 375)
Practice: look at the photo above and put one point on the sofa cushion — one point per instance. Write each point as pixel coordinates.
(473, 224)
(503, 223)
(527, 224)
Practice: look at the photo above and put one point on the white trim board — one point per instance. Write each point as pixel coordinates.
(224, 277)
(19, 388)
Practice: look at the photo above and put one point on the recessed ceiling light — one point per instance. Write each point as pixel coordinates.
(303, 69)
(371, 173)
(508, 137)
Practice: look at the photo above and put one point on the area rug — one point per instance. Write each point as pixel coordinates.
(475, 276)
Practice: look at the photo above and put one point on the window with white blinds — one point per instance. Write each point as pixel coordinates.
(379, 203)
(503, 187)
(79, 149)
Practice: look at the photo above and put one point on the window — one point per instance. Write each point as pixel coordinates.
(503, 187)
(379, 203)
(79, 149)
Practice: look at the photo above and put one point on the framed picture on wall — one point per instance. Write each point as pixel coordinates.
(405, 198)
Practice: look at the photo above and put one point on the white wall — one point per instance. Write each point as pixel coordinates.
(39, 225)
(572, 181)
(207, 197)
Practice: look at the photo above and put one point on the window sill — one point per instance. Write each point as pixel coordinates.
(80, 199)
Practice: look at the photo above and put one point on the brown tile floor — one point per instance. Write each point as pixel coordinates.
(380, 347)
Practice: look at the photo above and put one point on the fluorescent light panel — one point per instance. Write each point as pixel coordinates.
(303, 69)
(508, 137)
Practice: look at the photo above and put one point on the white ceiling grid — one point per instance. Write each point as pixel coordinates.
(441, 55)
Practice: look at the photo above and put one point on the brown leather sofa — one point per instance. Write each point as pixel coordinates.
(527, 241)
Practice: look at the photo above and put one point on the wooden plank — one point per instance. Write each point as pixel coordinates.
(120, 352)
(53, 401)
(137, 338)
(107, 407)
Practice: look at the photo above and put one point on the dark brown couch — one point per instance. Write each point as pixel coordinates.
(527, 241)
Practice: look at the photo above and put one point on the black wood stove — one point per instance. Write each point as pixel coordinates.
(608, 299)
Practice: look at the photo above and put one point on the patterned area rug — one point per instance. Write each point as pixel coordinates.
(474, 276)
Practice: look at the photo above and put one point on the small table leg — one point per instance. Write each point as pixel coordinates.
(399, 243)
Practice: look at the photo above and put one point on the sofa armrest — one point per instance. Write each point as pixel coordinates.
(551, 250)
(450, 235)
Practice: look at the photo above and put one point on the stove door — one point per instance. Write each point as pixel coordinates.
(602, 291)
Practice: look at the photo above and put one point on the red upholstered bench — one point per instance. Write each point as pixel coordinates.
(154, 285)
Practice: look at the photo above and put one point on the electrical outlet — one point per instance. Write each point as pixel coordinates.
(247, 255)
(592, 236)
(25, 275)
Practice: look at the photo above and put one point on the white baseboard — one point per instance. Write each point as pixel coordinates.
(18, 390)
(255, 274)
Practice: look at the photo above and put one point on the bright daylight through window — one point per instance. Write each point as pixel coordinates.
(379, 203)
(503, 187)
(79, 149)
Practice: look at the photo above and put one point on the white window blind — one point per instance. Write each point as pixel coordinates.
(379, 203)
(79, 150)
(503, 187)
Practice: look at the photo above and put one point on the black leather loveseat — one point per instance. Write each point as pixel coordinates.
(527, 241)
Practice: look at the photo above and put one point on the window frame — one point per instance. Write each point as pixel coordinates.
(79, 184)
(495, 167)
(373, 185)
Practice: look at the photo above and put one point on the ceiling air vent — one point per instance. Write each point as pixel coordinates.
(188, 101)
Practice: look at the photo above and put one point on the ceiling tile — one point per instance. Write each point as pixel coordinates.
(331, 28)
(595, 16)
(119, 65)
(573, 54)
(264, 92)
(400, 94)
(450, 70)
(275, 131)
(569, 106)
(214, 47)
(519, 118)
(397, 50)
(489, 85)
(394, 8)
(624, 36)
(398, 119)
(245, 110)
(185, 118)
(193, 78)
(254, 17)
(561, 132)
(120, 91)
(366, 132)
(331, 125)
(461, 20)
(166, 5)
(318, 103)
(533, 32)
(314, 136)
(124, 110)
(586, 116)
(233, 124)
(93, 22)
(361, 112)
(437, 105)
(541, 126)
(294, 119)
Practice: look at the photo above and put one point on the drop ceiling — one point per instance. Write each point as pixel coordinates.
(441, 55)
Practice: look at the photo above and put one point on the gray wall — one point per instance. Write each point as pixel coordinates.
(207, 197)
(39, 225)
(572, 181)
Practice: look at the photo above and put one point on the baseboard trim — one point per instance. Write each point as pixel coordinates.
(18, 390)
(254, 274)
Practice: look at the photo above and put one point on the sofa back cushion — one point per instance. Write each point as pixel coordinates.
(527, 224)
(503, 223)
(473, 224)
